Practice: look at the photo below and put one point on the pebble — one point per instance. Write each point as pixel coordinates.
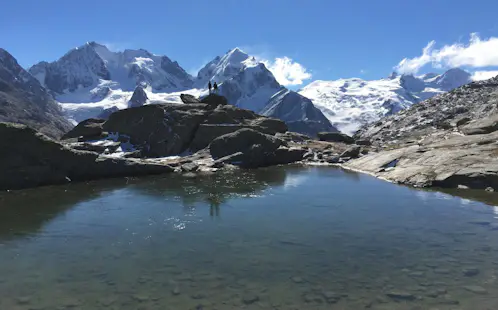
(297, 279)
(416, 274)
(441, 271)
(198, 296)
(490, 189)
(475, 289)
(398, 295)
(140, 297)
(331, 297)
(470, 272)
(23, 300)
(175, 291)
(310, 297)
(250, 299)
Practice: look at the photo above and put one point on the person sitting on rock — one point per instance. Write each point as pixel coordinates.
(209, 86)
(215, 87)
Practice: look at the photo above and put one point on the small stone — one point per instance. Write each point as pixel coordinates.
(493, 226)
(460, 186)
(398, 295)
(140, 297)
(331, 297)
(470, 272)
(475, 289)
(175, 291)
(198, 296)
(490, 189)
(297, 279)
(250, 299)
(416, 274)
(24, 300)
(310, 297)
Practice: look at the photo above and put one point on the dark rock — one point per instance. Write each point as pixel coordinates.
(189, 99)
(398, 295)
(139, 98)
(107, 112)
(470, 272)
(352, 152)
(160, 129)
(242, 141)
(90, 128)
(290, 136)
(363, 142)
(23, 100)
(462, 121)
(32, 159)
(214, 100)
(335, 137)
(481, 126)
(333, 159)
(250, 299)
(98, 148)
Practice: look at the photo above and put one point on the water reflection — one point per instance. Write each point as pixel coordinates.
(276, 238)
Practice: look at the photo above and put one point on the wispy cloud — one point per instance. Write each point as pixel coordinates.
(288, 72)
(363, 71)
(477, 53)
(484, 75)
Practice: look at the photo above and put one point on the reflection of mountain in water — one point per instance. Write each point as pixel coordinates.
(214, 189)
(28, 211)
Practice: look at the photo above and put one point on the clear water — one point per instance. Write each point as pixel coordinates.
(279, 238)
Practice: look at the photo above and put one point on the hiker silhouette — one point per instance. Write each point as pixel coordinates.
(215, 87)
(209, 86)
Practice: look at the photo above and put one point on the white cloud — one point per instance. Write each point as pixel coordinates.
(478, 53)
(484, 75)
(287, 72)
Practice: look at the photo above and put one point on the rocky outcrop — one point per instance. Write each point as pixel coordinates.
(214, 100)
(186, 98)
(446, 141)
(139, 98)
(107, 112)
(335, 137)
(23, 100)
(29, 158)
(250, 148)
(89, 129)
(474, 103)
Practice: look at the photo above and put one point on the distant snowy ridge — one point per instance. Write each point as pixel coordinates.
(91, 80)
(351, 103)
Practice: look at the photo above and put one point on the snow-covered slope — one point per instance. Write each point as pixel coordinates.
(91, 78)
(92, 81)
(350, 103)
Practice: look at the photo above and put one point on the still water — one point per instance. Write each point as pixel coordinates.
(277, 238)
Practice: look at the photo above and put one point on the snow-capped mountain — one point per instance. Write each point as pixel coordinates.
(91, 81)
(350, 103)
(23, 100)
(91, 78)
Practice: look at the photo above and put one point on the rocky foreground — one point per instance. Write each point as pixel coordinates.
(450, 140)
(199, 136)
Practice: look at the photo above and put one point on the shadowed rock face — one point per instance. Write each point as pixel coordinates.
(32, 159)
(139, 98)
(23, 100)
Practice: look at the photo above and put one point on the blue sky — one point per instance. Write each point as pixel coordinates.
(323, 39)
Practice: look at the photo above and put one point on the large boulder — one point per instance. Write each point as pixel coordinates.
(214, 100)
(481, 126)
(227, 119)
(159, 129)
(253, 149)
(29, 159)
(186, 98)
(243, 140)
(335, 137)
(90, 128)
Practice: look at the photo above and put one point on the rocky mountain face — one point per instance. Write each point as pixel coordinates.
(446, 141)
(23, 100)
(298, 112)
(351, 103)
(91, 80)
